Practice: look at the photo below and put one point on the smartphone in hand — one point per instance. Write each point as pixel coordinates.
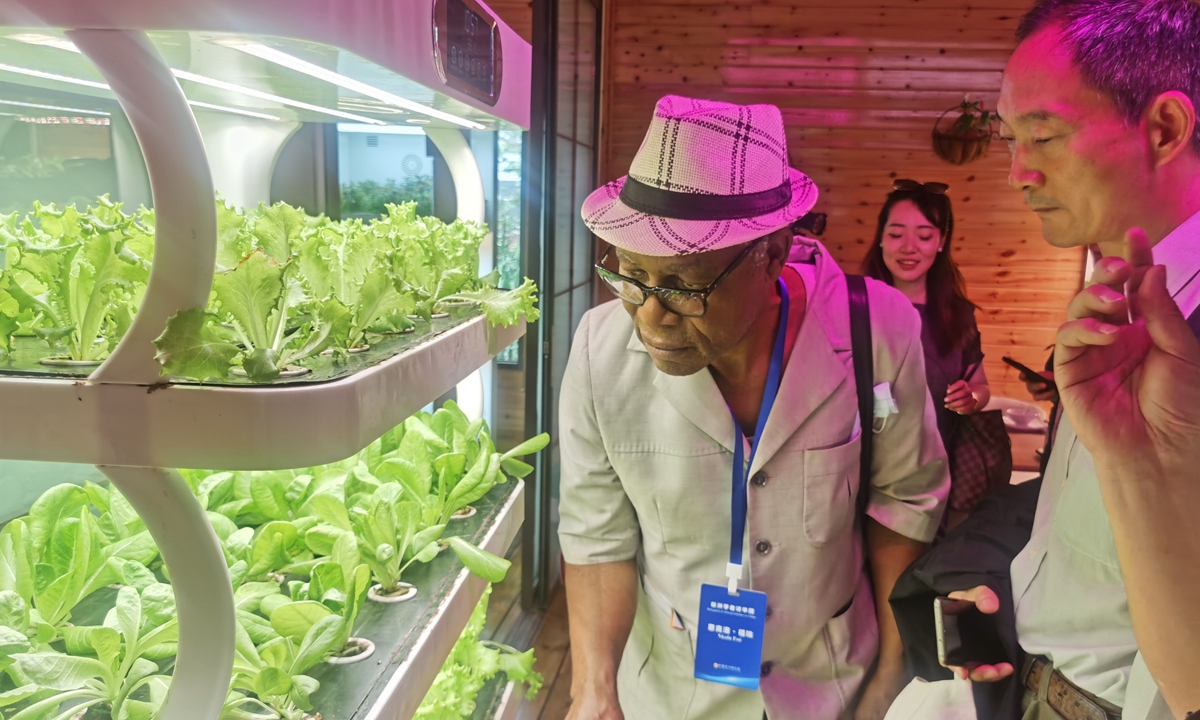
(965, 636)
(1028, 373)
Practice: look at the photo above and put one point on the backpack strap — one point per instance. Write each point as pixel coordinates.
(864, 378)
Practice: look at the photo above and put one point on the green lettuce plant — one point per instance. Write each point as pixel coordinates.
(347, 263)
(275, 671)
(271, 550)
(303, 548)
(259, 298)
(257, 497)
(290, 286)
(445, 462)
(387, 532)
(58, 555)
(74, 278)
(106, 664)
(470, 665)
(502, 307)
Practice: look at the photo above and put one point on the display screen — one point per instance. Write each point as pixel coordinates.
(470, 47)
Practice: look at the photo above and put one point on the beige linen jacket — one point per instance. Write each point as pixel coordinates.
(646, 466)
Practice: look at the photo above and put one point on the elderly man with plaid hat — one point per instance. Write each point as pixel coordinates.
(716, 561)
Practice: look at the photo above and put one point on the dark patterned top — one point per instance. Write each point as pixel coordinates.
(942, 371)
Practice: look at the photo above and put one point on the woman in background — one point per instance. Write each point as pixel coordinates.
(911, 252)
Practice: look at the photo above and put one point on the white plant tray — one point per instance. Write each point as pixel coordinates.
(399, 697)
(237, 428)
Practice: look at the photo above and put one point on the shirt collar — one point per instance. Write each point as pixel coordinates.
(1180, 253)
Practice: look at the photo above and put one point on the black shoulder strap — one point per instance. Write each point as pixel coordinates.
(864, 377)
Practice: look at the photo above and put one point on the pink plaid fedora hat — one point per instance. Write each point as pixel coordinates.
(708, 175)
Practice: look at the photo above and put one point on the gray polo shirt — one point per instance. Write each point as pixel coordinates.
(1070, 597)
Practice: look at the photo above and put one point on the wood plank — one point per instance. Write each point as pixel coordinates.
(819, 52)
(634, 32)
(517, 14)
(559, 700)
(552, 650)
(971, 81)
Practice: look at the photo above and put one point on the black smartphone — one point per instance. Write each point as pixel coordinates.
(965, 636)
(1027, 371)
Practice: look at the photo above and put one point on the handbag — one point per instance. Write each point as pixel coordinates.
(980, 458)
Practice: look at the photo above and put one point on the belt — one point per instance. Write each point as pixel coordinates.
(1068, 700)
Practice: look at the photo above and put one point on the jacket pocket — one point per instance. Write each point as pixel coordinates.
(830, 480)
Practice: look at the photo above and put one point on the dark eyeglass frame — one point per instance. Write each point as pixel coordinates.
(933, 188)
(609, 276)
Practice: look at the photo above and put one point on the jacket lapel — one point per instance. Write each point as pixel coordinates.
(813, 373)
(697, 398)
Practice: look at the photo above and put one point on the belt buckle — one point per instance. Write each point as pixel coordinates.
(1063, 696)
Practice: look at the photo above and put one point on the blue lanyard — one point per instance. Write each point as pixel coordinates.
(740, 469)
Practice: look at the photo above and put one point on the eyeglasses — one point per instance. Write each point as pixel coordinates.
(686, 303)
(935, 188)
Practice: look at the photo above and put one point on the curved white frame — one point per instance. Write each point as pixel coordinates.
(185, 247)
(472, 205)
(203, 593)
(185, 238)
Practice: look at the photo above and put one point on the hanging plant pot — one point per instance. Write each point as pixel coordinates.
(463, 513)
(356, 650)
(967, 137)
(403, 593)
(61, 361)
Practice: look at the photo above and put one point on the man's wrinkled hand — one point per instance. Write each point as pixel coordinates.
(1128, 368)
(592, 704)
(988, 604)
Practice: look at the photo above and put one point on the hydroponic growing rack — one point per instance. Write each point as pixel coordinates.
(403, 62)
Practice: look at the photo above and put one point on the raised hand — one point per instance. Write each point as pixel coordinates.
(1128, 367)
(960, 398)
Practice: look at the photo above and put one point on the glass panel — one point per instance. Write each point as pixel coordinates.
(72, 173)
(508, 209)
(377, 169)
(507, 230)
(564, 214)
(582, 241)
(567, 54)
(586, 74)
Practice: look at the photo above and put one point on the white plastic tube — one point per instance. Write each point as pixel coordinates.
(473, 395)
(203, 593)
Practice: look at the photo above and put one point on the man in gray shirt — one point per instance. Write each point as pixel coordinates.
(1099, 109)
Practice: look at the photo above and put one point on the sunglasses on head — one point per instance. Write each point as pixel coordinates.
(935, 188)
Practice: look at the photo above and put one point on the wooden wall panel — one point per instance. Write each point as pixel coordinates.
(860, 84)
(517, 14)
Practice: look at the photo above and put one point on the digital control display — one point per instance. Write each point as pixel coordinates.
(470, 47)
